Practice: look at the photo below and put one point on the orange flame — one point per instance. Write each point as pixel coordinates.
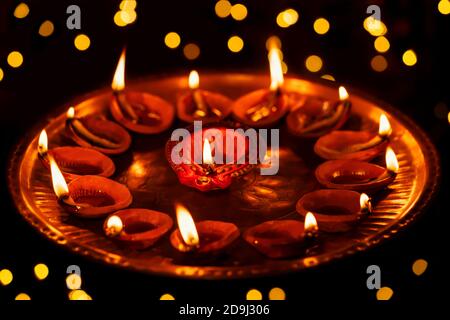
(194, 80)
(114, 226)
(207, 154)
(343, 94)
(364, 202)
(385, 128)
(310, 223)
(186, 225)
(276, 70)
(118, 83)
(391, 160)
(70, 114)
(43, 143)
(59, 183)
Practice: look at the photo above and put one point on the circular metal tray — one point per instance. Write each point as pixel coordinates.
(251, 200)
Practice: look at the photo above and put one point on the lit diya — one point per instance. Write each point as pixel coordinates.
(206, 174)
(137, 228)
(205, 237)
(315, 117)
(96, 132)
(357, 145)
(89, 196)
(264, 107)
(283, 238)
(138, 111)
(199, 104)
(335, 210)
(358, 175)
(75, 161)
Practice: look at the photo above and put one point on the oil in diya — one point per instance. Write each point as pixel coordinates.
(314, 116)
(200, 104)
(96, 132)
(89, 196)
(335, 210)
(356, 145)
(140, 112)
(75, 161)
(358, 175)
(203, 238)
(283, 238)
(137, 228)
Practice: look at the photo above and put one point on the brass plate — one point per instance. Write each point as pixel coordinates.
(252, 200)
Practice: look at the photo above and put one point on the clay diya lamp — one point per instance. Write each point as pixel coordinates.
(89, 196)
(282, 238)
(75, 161)
(356, 145)
(335, 210)
(199, 104)
(264, 107)
(138, 111)
(137, 228)
(358, 175)
(96, 132)
(205, 237)
(193, 161)
(316, 117)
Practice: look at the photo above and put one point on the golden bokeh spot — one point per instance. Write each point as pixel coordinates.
(1, 74)
(375, 27)
(128, 5)
(15, 59)
(82, 42)
(223, 8)
(79, 295)
(41, 271)
(172, 40)
(419, 266)
(73, 281)
(191, 51)
(238, 12)
(321, 26)
(287, 18)
(444, 6)
(128, 16)
(384, 293)
(167, 296)
(379, 63)
(235, 44)
(328, 77)
(118, 20)
(6, 276)
(254, 294)
(448, 117)
(46, 28)
(21, 11)
(313, 63)
(23, 296)
(409, 58)
(381, 44)
(277, 294)
(273, 42)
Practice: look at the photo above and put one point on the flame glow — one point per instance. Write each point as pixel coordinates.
(385, 128)
(343, 94)
(70, 114)
(194, 80)
(114, 225)
(276, 70)
(310, 223)
(364, 202)
(186, 225)
(43, 142)
(391, 160)
(207, 154)
(118, 83)
(59, 183)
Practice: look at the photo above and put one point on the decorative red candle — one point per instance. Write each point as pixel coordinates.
(316, 117)
(358, 175)
(89, 196)
(75, 161)
(282, 238)
(335, 210)
(96, 132)
(357, 145)
(205, 237)
(138, 111)
(137, 228)
(198, 104)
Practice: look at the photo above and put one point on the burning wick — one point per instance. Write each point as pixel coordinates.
(311, 229)
(365, 204)
(43, 144)
(391, 161)
(188, 231)
(114, 226)
(208, 162)
(202, 108)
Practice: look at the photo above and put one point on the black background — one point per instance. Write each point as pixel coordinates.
(54, 72)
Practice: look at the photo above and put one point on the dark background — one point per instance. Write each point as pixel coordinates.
(53, 72)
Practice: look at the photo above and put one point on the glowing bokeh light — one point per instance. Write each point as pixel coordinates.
(277, 294)
(381, 44)
(328, 77)
(128, 5)
(15, 59)
(167, 296)
(1, 74)
(321, 26)
(254, 294)
(384, 293)
(409, 58)
(118, 20)
(172, 40)
(6, 277)
(375, 27)
(23, 296)
(379, 63)
(46, 28)
(444, 6)
(419, 266)
(73, 281)
(235, 44)
(238, 12)
(223, 8)
(313, 63)
(79, 295)
(287, 18)
(191, 51)
(82, 42)
(21, 11)
(41, 271)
